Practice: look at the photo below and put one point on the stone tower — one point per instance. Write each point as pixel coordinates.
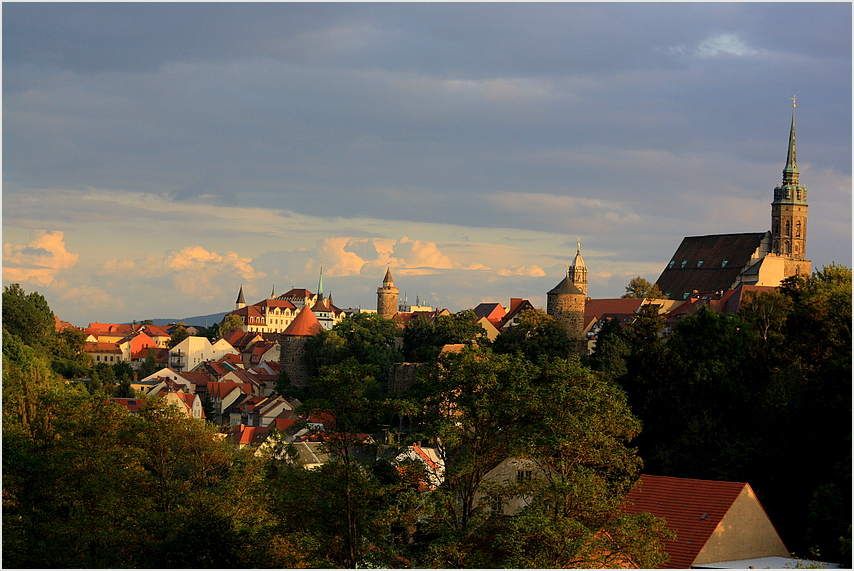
(789, 214)
(387, 297)
(292, 346)
(566, 302)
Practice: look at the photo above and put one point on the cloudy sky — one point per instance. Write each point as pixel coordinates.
(157, 156)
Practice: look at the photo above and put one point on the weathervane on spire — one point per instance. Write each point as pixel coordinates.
(794, 101)
(579, 245)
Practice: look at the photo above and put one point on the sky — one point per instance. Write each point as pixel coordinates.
(159, 156)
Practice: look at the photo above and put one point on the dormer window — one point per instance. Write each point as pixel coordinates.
(724, 263)
(670, 266)
(684, 263)
(699, 263)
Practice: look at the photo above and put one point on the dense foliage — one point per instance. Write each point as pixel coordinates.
(762, 397)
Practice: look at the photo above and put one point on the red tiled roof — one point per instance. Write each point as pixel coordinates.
(299, 293)
(98, 347)
(280, 303)
(303, 325)
(621, 306)
(221, 389)
(133, 405)
(692, 508)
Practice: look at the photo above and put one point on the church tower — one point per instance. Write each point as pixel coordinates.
(789, 210)
(387, 297)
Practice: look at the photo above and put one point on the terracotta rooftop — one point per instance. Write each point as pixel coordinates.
(692, 508)
(303, 325)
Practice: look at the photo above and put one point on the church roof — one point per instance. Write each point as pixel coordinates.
(708, 263)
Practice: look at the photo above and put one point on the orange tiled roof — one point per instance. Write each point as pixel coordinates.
(303, 325)
(614, 306)
(692, 508)
(98, 347)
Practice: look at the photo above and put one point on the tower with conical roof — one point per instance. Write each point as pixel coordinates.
(566, 302)
(387, 297)
(789, 209)
(292, 345)
(241, 301)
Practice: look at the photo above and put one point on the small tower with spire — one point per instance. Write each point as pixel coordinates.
(578, 271)
(241, 301)
(387, 297)
(789, 209)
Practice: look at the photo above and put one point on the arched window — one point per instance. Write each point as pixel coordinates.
(788, 227)
(775, 225)
(798, 229)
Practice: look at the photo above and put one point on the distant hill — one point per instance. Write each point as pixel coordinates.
(199, 320)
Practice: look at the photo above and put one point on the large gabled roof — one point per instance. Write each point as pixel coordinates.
(708, 263)
(692, 508)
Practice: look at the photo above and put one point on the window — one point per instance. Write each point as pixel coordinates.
(670, 265)
(699, 263)
(523, 475)
(788, 227)
(684, 262)
(724, 263)
(797, 229)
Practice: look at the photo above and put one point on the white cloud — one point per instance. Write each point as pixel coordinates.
(192, 270)
(40, 260)
(726, 44)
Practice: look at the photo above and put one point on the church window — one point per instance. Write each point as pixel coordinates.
(788, 227)
(775, 225)
(797, 229)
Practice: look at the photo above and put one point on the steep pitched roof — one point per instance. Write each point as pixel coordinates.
(708, 263)
(303, 325)
(692, 508)
(494, 312)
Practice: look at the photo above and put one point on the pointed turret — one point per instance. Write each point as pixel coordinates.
(388, 281)
(241, 302)
(577, 272)
(320, 283)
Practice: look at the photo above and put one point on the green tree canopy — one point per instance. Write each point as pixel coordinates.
(640, 288)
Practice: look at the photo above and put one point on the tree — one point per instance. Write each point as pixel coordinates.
(567, 421)
(178, 335)
(229, 322)
(423, 339)
(536, 335)
(640, 288)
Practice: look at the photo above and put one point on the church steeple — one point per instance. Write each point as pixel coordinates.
(320, 283)
(791, 172)
(789, 209)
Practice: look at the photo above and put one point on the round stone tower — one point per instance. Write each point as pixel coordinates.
(566, 304)
(387, 297)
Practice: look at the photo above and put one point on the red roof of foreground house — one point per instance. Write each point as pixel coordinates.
(692, 508)
(303, 325)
